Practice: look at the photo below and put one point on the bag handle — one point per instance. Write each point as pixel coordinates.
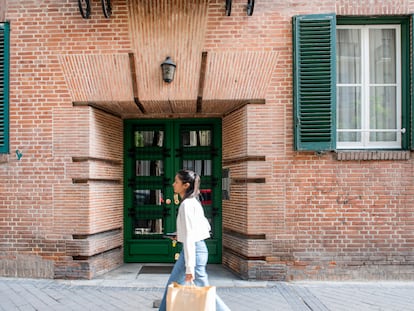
(190, 284)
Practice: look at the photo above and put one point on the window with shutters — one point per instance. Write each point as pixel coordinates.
(4, 87)
(352, 82)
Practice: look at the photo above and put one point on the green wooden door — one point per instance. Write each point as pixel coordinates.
(154, 151)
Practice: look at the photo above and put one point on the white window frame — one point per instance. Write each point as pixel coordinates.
(365, 88)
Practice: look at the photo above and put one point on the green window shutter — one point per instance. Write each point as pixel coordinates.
(412, 84)
(4, 87)
(314, 81)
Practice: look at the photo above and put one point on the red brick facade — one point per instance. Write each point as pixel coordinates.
(291, 215)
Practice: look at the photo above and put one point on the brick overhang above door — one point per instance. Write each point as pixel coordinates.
(207, 83)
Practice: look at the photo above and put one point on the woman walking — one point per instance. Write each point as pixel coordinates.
(192, 229)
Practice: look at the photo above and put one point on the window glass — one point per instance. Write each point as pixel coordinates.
(383, 113)
(382, 56)
(368, 86)
(349, 113)
(349, 56)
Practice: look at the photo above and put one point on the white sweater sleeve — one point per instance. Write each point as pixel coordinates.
(188, 241)
(192, 227)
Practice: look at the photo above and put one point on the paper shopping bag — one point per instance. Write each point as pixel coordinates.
(191, 298)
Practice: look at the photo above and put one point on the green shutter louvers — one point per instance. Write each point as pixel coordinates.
(4, 87)
(314, 82)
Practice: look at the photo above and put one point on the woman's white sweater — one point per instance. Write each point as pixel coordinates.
(192, 226)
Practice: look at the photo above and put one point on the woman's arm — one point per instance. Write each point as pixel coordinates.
(188, 241)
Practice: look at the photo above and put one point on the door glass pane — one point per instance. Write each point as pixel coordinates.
(149, 138)
(149, 168)
(198, 152)
(201, 167)
(148, 212)
(196, 138)
(206, 198)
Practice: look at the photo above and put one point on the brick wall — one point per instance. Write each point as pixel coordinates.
(325, 219)
(3, 8)
(88, 203)
(291, 215)
(66, 189)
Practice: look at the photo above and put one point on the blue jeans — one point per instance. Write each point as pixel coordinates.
(200, 278)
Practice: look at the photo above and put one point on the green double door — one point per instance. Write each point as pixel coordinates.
(154, 151)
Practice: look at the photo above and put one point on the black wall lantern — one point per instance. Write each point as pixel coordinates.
(168, 70)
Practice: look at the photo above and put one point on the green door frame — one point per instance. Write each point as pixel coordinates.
(174, 153)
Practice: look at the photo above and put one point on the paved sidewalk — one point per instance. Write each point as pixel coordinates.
(127, 289)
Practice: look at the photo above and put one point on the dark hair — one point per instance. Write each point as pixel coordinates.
(187, 176)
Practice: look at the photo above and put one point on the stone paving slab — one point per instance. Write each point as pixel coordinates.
(385, 295)
(34, 294)
(125, 288)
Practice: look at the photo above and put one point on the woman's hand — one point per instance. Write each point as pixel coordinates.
(189, 278)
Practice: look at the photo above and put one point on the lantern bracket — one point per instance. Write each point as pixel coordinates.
(106, 8)
(228, 7)
(85, 8)
(250, 7)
